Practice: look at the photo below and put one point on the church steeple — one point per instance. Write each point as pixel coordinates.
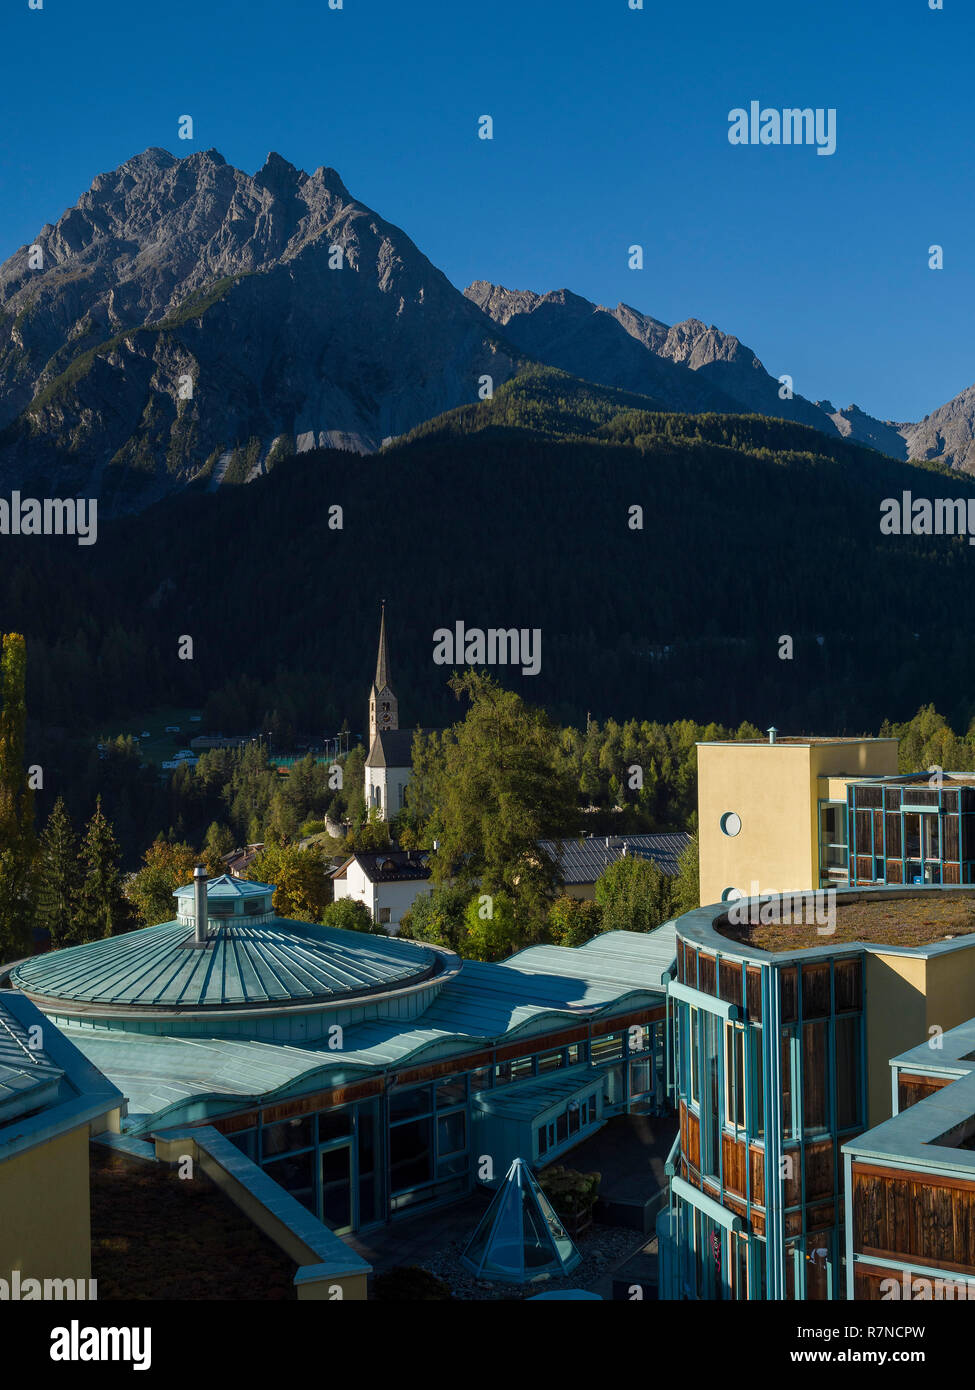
(382, 661)
(383, 704)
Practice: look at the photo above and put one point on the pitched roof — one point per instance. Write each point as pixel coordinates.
(582, 861)
(389, 865)
(28, 1079)
(394, 747)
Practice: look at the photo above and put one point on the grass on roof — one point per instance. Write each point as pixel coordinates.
(910, 921)
(155, 1235)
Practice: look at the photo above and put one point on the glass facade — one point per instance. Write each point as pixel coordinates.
(911, 832)
(361, 1164)
(818, 1102)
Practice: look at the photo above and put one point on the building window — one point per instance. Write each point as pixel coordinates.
(410, 1154)
(578, 1116)
(550, 1061)
(814, 1078)
(453, 1092)
(428, 1153)
(384, 916)
(607, 1049)
(848, 1105)
(730, 823)
(334, 1124)
(695, 1058)
(756, 1124)
(413, 1100)
(789, 1129)
(834, 851)
(286, 1137)
(710, 1083)
(734, 1091)
(296, 1174)
(451, 1133)
(516, 1070)
(246, 1142)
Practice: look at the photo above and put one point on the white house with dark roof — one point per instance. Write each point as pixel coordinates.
(388, 882)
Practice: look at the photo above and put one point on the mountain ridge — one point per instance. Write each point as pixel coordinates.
(173, 273)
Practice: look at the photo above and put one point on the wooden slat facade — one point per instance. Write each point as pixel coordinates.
(911, 1088)
(921, 1218)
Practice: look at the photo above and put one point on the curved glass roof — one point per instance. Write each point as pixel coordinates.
(260, 963)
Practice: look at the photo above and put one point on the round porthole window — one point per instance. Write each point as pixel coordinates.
(731, 823)
(731, 895)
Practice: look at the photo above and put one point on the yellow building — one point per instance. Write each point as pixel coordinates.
(772, 814)
(51, 1100)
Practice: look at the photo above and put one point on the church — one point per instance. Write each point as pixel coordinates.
(389, 766)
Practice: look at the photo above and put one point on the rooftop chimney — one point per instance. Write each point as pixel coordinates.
(772, 733)
(200, 904)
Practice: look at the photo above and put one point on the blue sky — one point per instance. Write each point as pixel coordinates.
(611, 128)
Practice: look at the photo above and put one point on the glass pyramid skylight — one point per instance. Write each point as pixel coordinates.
(519, 1237)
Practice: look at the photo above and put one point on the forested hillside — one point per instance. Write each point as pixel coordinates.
(514, 513)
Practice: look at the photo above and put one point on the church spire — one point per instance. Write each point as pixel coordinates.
(383, 704)
(382, 660)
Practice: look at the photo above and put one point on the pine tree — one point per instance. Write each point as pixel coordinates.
(18, 843)
(101, 907)
(59, 876)
(687, 884)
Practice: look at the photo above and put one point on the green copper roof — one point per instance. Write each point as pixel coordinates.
(533, 992)
(243, 963)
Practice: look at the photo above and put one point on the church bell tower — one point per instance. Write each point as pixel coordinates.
(383, 704)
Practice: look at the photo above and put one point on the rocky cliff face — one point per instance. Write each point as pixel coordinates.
(692, 365)
(293, 315)
(948, 434)
(564, 330)
(591, 341)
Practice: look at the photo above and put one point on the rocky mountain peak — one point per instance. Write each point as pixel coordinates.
(171, 270)
(278, 175)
